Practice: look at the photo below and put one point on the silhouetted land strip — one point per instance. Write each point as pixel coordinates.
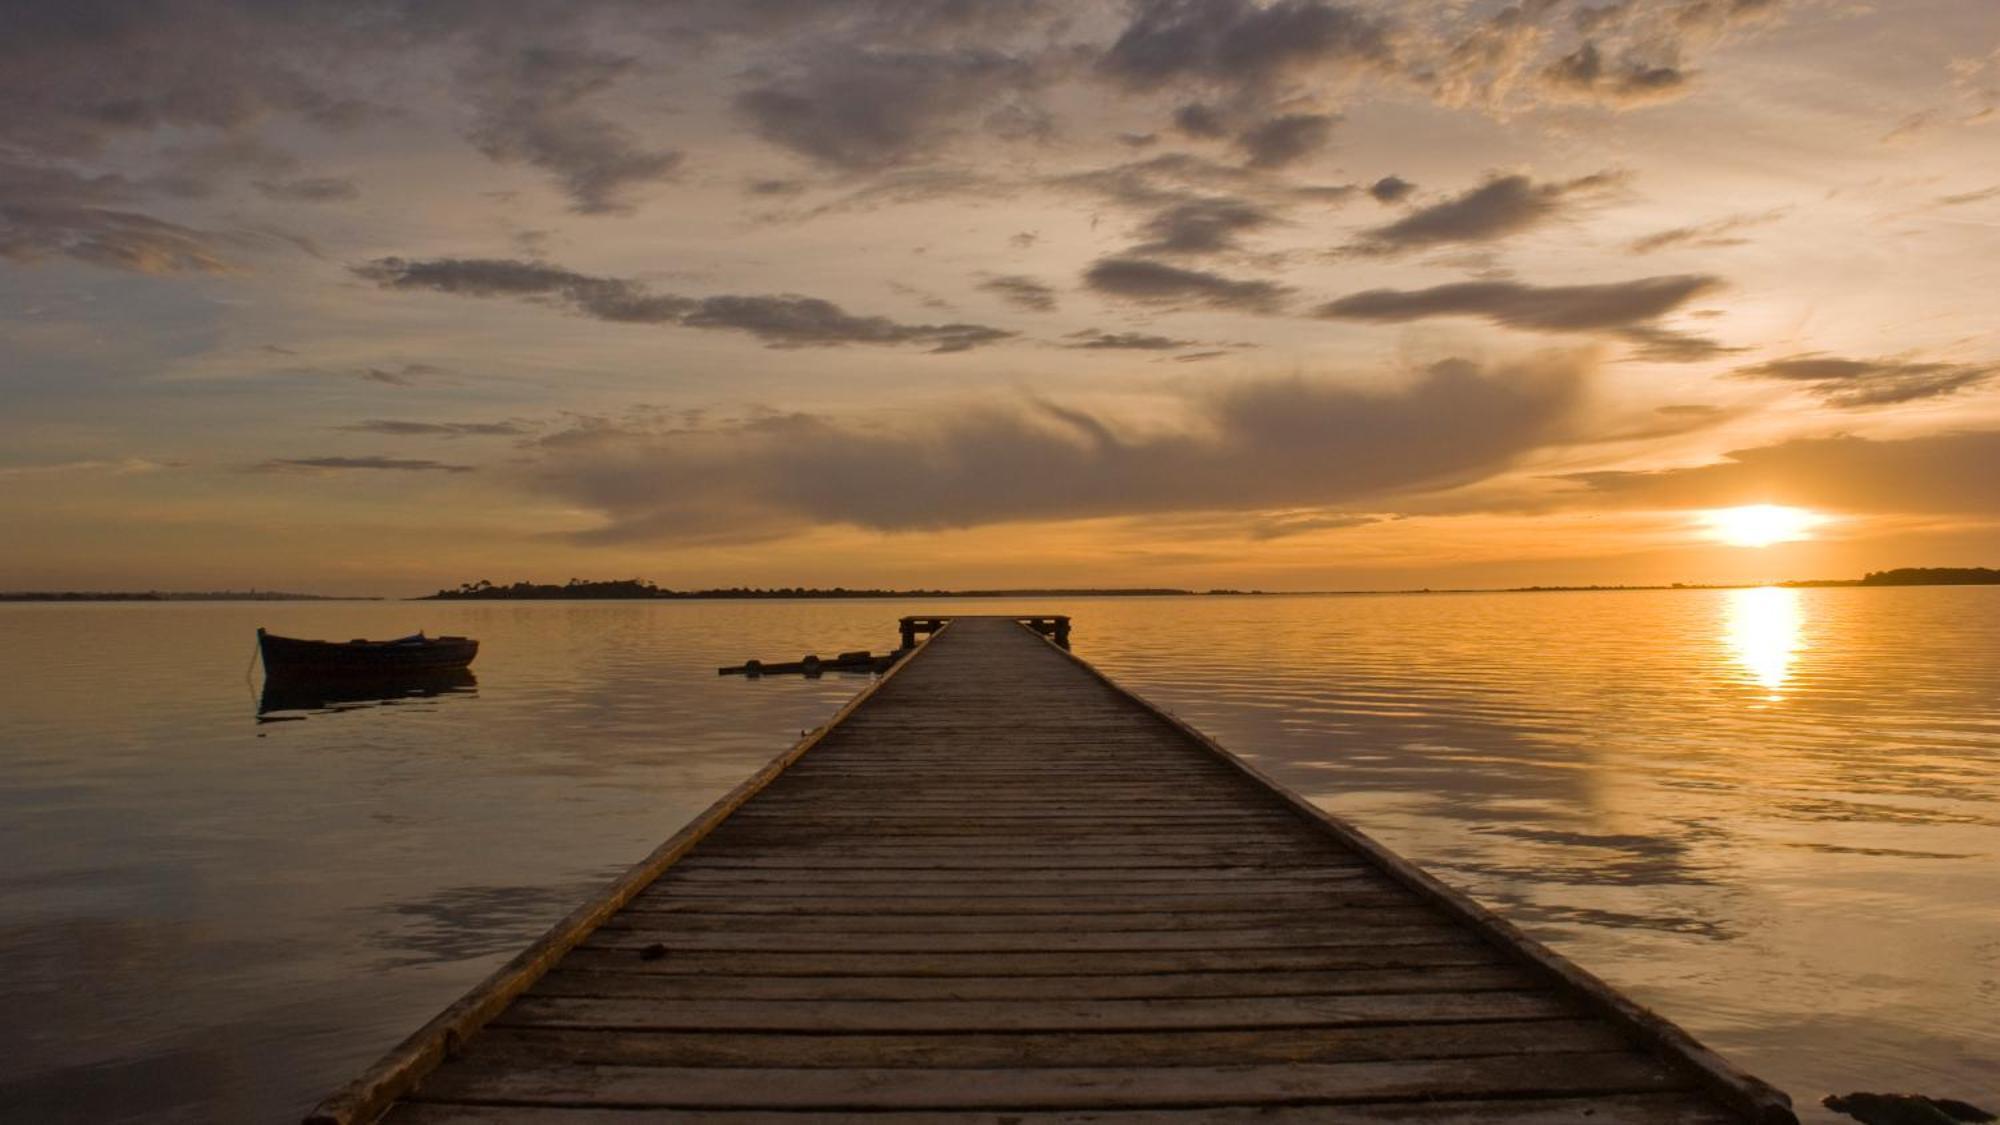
(173, 596)
(997, 886)
(640, 589)
(1934, 576)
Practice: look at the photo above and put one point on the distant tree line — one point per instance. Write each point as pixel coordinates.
(168, 596)
(639, 588)
(1933, 576)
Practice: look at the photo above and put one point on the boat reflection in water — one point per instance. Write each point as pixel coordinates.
(349, 692)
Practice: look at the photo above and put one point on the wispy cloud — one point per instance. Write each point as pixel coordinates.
(346, 464)
(1625, 309)
(860, 108)
(1287, 139)
(1093, 340)
(1496, 209)
(309, 189)
(1710, 235)
(1136, 279)
(1246, 48)
(1201, 226)
(96, 467)
(1626, 81)
(397, 428)
(534, 108)
(1022, 292)
(1856, 383)
(781, 321)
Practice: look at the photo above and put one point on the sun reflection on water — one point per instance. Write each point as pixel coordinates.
(1765, 630)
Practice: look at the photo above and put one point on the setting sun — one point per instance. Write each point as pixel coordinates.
(1761, 525)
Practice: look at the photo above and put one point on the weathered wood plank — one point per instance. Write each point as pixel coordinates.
(1130, 902)
(1029, 854)
(1139, 866)
(1451, 948)
(1272, 835)
(1029, 1015)
(1067, 1088)
(1171, 1047)
(1621, 1109)
(1011, 923)
(1358, 887)
(1151, 986)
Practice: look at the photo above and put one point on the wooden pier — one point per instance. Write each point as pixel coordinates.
(997, 887)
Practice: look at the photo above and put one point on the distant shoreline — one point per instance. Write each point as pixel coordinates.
(166, 596)
(636, 590)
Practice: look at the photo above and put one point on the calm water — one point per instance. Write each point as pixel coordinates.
(1773, 814)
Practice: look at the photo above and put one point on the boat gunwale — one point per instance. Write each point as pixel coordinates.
(368, 1096)
(1742, 1091)
(416, 643)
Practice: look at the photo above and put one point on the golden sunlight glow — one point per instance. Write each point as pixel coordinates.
(1760, 525)
(1765, 628)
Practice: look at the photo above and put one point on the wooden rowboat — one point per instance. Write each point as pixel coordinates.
(292, 657)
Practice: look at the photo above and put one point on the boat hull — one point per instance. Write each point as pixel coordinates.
(291, 657)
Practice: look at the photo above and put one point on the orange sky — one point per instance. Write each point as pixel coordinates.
(1201, 293)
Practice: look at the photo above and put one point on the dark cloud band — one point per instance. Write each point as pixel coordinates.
(1277, 443)
(782, 321)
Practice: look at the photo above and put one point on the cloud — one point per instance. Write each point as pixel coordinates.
(1940, 473)
(312, 189)
(1201, 226)
(1912, 126)
(1278, 443)
(1022, 292)
(532, 110)
(1198, 119)
(96, 467)
(49, 211)
(1502, 206)
(1667, 346)
(1174, 178)
(124, 240)
(862, 109)
(402, 375)
(1154, 283)
(1623, 308)
(783, 321)
(1286, 524)
(439, 429)
(1282, 141)
(1963, 198)
(343, 464)
(1244, 47)
(1091, 339)
(1584, 74)
(1391, 189)
(77, 76)
(1854, 383)
(1718, 233)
